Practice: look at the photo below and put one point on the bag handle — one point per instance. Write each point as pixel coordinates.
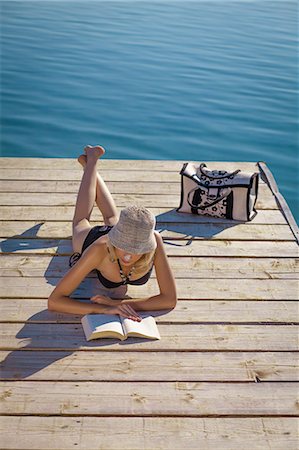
(218, 199)
(215, 177)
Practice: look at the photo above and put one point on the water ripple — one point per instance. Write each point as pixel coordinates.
(147, 80)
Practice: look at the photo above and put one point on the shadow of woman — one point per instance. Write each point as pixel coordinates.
(48, 337)
(25, 241)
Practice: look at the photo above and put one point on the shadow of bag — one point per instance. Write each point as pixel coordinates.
(218, 193)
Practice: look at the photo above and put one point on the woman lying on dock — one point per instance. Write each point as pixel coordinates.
(123, 251)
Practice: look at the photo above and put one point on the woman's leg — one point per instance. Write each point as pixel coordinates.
(92, 188)
(104, 199)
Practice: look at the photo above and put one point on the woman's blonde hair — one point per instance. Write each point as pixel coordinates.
(145, 262)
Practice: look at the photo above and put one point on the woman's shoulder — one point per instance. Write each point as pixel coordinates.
(160, 245)
(158, 237)
(102, 240)
(98, 249)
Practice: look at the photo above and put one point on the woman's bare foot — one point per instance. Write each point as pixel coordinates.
(82, 159)
(94, 152)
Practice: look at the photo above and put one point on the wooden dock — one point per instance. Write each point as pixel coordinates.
(224, 374)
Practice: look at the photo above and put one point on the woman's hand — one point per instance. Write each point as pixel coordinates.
(103, 300)
(124, 311)
(116, 307)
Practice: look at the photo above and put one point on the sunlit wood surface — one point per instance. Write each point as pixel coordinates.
(223, 376)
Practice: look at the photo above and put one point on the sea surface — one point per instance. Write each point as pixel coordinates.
(176, 80)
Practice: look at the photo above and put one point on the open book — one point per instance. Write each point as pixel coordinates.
(98, 326)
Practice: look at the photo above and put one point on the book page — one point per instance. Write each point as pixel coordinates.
(102, 325)
(146, 328)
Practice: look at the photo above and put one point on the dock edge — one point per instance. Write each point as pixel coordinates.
(284, 207)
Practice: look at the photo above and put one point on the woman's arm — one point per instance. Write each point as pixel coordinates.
(60, 300)
(167, 299)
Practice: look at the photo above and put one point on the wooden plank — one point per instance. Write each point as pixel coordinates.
(266, 201)
(209, 290)
(65, 213)
(251, 232)
(65, 199)
(185, 248)
(248, 232)
(13, 265)
(149, 399)
(140, 433)
(71, 164)
(148, 366)
(227, 248)
(137, 173)
(188, 337)
(204, 311)
(115, 187)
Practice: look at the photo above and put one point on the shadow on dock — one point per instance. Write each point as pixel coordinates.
(180, 229)
(62, 334)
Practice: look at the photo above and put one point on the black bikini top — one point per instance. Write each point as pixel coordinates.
(94, 234)
(111, 284)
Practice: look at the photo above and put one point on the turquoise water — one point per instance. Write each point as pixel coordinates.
(187, 80)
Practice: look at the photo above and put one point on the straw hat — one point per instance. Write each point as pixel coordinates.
(134, 232)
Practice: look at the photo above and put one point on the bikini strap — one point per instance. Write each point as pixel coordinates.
(74, 258)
